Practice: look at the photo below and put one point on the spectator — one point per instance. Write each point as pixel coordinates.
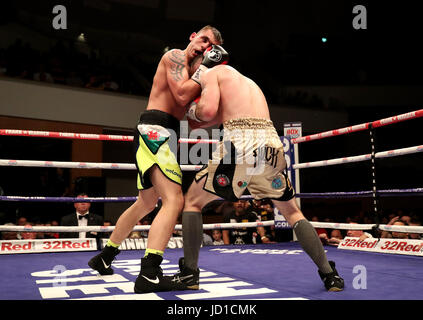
(81, 217)
(358, 233)
(415, 222)
(217, 237)
(335, 237)
(137, 234)
(391, 216)
(146, 221)
(399, 235)
(39, 235)
(395, 221)
(265, 212)
(337, 234)
(9, 235)
(239, 214)
(406, 219)
(28, 235)
(52, 235)
(42, 75)
(321, 232)
(22, 221)
(207, 240)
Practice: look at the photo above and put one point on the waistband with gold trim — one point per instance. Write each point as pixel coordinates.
(248, 123)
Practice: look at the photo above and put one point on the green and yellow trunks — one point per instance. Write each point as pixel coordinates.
(156, 141)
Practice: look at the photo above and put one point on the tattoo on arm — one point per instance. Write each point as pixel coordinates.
(177, 65)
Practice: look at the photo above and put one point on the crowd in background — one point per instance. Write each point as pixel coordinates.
(230, 212)
(64, 64)
(331, 236)
(241, 211)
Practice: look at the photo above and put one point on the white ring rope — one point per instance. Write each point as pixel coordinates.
(86, 136)
(407, 229)
(127, 166)
(136, 228)
(361, 127)
(107, 137)
(64, 135)
(343, 226)
(194, 141)
(354, 226)
(81, 165)
(130, 166)
(189, 167)
(328, 225)
(364, 157)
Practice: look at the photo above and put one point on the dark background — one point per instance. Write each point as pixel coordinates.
(273, 42)
(276, 43)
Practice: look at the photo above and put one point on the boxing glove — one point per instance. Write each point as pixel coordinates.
(213, 56)
(191, 111)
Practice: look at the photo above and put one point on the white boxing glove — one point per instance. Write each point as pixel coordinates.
(192, 108)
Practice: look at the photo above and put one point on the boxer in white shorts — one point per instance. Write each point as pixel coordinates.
(249, 157)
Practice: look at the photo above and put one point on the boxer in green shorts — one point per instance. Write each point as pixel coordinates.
(159, 175)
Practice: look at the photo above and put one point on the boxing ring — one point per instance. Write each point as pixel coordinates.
(280, 271)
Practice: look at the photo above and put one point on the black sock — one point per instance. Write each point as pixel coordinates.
(192, 234)
(310, 241)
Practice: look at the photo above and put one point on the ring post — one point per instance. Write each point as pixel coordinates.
(291, 131)
(375, 196)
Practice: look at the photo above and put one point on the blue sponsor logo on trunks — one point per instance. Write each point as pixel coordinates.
(269, 154)
(174, 173)
(277, 183)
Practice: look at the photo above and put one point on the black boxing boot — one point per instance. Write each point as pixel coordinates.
(333, 282)
(191, 278)
(103, 261)
(151, 277)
